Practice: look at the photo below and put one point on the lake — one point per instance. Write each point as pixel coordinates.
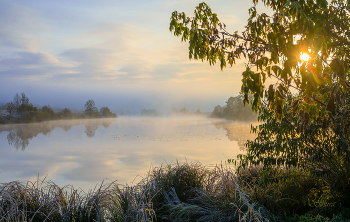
(86, 152)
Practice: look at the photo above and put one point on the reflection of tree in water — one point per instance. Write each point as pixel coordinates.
(92, 126)
(90, 130)
(106, 124)
(14, 139)
(20, 134)
(66, 127)
(239, 132)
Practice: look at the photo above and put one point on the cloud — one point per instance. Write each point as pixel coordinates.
(29, 60)
(128, 52)
(32, 64)
(20, 27)
(116, 51)
(22, 39)
(91, 60)
(111, 48)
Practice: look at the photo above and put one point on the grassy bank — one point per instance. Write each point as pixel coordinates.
(178, 192)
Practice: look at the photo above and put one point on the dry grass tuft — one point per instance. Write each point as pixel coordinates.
(172, 192)
(45, 201)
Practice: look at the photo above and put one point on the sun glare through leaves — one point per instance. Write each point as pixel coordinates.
(304, 57)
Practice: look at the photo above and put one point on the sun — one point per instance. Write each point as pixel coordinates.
(304, 57)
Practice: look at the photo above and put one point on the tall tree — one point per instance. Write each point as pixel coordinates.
(16, 101)
(24, 99)
(90, 108)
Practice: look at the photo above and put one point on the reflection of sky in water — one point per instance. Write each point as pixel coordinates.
(85, 152)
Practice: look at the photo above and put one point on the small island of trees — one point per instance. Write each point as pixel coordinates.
(19, 110)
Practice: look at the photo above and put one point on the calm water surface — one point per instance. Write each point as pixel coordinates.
(85, 152)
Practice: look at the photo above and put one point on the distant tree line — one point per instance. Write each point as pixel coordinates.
(149, 112)
(174, 111)
(184, 111)
(234, 110)
(20, 110)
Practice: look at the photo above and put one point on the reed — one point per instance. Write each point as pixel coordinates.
(45, 201)
(171, 192)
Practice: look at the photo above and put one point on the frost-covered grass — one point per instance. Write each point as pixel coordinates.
(171, 192)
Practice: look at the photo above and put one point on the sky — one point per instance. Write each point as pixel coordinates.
(119, 53)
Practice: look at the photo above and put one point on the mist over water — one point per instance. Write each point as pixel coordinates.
(85, 152)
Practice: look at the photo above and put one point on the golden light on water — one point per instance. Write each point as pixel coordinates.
(304, 57)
